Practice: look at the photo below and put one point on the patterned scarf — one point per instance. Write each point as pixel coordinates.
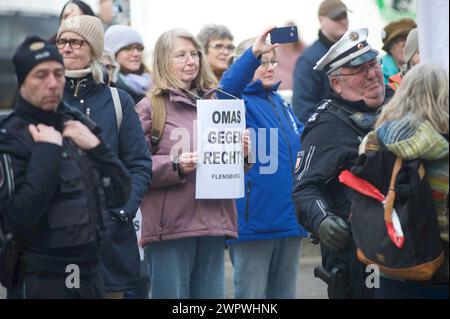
(409, 140)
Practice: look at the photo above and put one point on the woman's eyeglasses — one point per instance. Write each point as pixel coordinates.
(73, 43)
(133, 47)
(183, 57)
(221, 47)
(265, 64)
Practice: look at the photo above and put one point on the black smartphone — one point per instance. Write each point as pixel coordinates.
(284, 35)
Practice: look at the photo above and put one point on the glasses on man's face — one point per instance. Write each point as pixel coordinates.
(133, 47)
(364, 69)
(73, 43)
(265, 64)
(221, 47)
(183, 56)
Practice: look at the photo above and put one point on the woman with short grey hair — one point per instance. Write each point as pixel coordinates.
(217, 42)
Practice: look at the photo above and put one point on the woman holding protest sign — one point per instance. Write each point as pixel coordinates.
(184, 237)
(266, 254)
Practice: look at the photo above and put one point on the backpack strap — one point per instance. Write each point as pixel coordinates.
(390, 198)
(159, 114)
(117, 106)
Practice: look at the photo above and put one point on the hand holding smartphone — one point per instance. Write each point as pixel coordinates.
(284, 35)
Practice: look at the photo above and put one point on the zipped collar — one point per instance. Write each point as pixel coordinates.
(82, 86)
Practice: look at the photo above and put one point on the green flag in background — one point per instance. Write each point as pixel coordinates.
(392, 10)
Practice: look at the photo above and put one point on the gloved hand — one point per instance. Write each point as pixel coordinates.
(121, 215)
(334, 232)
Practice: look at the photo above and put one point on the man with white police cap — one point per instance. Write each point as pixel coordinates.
(330, 145)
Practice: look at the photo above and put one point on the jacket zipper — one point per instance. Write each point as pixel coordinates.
(283, 132)
(247, 200)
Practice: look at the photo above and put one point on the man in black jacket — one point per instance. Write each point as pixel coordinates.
(60, 179)
(330, 144)
(311, 86)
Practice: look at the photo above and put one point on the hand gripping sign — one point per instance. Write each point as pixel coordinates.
(220, 136)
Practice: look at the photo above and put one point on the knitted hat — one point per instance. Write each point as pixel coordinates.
(89, 28)
(411, 45)
(118, 37)
(32, 52)
(396, 29)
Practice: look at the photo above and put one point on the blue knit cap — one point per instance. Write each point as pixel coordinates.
(32, 52)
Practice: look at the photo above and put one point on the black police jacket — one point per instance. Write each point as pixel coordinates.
(55, 198)
(330, 145)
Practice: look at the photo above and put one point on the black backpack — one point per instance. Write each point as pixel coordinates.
(406, 189)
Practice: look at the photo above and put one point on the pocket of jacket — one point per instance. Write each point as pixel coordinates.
(69, 224)
(70, 180)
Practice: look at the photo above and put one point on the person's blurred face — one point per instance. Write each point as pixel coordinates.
(364, 82)
(218, 52)
(396, 50)
(71, 10)
(184, 61)
(76, 57)
(266, 71)
(130, 57)
(334, 29)
(44, 85)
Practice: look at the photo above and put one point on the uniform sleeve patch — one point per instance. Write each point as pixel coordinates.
(298, 163)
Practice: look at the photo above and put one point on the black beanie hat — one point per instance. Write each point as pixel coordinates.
(32, 52)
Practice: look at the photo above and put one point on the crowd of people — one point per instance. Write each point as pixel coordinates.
(89, 143)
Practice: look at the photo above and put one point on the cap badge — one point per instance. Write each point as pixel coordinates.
(354, 36)
(36, 46)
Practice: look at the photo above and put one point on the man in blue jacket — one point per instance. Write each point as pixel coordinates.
(311, 86)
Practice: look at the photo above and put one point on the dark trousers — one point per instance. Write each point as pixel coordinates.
(351, 283)
(33, 285)
(142, 290)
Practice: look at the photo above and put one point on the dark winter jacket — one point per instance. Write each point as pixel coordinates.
(49, 198)
(310, 86)
(120, 255)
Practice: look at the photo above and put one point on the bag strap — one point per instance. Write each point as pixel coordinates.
(159, 114)
(390, 198)
(117, 106)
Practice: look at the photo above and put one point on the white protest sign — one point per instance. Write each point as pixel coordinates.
(220, 136)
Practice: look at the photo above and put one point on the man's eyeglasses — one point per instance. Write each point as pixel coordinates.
(133, 47)
(183, 57)
(265, 64)
(73, 43)
(221, 47)
(364, 69)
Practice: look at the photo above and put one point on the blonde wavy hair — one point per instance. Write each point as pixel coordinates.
(422, 95)
(163, 79)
